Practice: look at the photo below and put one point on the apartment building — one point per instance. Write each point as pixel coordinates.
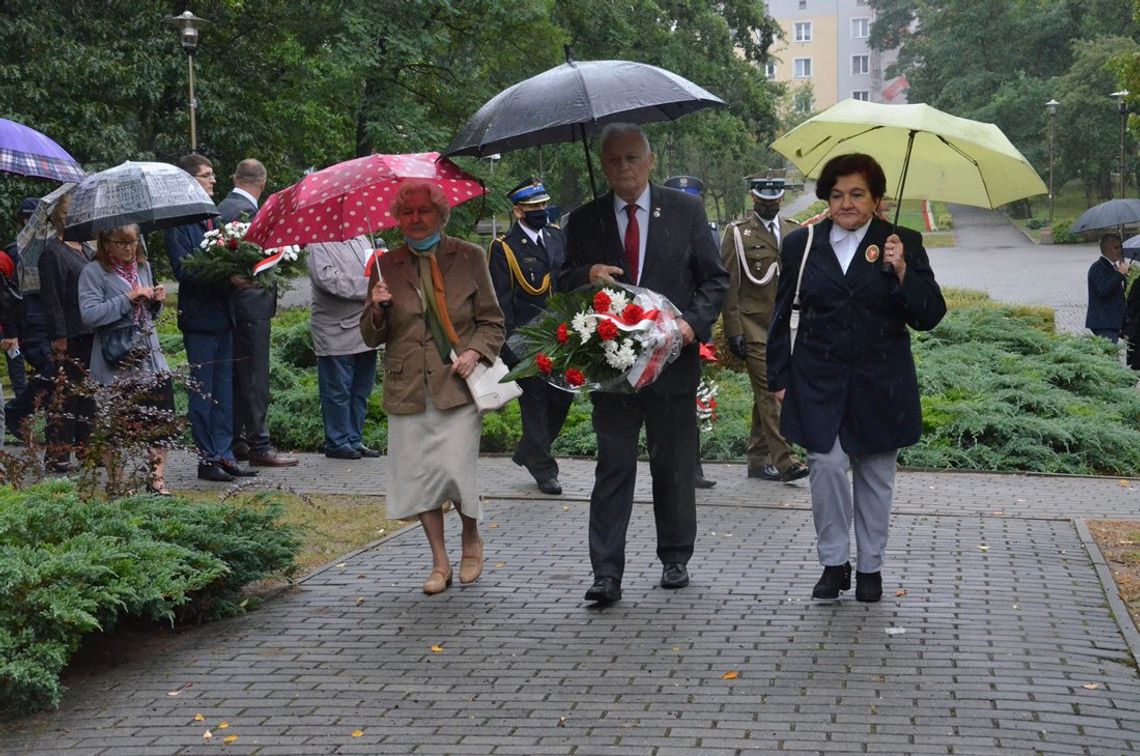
(825, 57)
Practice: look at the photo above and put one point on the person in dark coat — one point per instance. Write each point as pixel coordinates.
(17, 373)
(1131, 329)
(1107, 275)
(847, 382)
(206, 322)
(525, 265)
(254, 307)
(60, 264)
(35, 348)
(659, 239)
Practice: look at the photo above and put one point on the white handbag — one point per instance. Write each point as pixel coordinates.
(485, 387)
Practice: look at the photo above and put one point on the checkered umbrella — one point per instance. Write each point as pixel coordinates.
(352, 198)
(27, 152)
(153, 195)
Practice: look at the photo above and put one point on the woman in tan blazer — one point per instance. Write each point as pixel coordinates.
(434, 309)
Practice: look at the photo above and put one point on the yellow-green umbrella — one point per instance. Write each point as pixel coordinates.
(937, 155)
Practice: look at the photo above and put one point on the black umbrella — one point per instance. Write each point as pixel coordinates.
(1111, 214)
(574, 101)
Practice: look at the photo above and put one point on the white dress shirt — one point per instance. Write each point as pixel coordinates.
(845, 242)
(773, 226)
(534, 236)
(642, 226)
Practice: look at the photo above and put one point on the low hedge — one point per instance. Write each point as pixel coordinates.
(70, 566)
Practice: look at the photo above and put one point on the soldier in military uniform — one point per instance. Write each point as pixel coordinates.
(751, 254)
(525, 262)
(695, 186)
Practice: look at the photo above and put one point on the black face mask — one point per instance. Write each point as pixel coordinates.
(536, 219)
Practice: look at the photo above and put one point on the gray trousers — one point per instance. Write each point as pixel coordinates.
(833, 506)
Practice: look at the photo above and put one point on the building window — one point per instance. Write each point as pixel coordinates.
(860, 28)
(802, 102)
(802, 68)
(803, 4)
(860, 64)
(803, 31)
(861, 94)
(770, 69)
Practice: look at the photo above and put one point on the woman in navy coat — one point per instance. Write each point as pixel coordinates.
(848, 385)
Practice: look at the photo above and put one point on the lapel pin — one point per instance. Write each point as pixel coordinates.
(656, 212)
(747, 232)
(872, 253)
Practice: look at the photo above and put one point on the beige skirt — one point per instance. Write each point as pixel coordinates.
(431, 459)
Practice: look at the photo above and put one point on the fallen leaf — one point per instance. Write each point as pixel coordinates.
(565, 507)
(437, 649)
(1091, 686)
(731, 675)
(562, 721)
(229, 739)
(359, 600)
(1123, 483)
(500, 564)
(357, 733)
(895, 630)
(207, 735)
(983, 547)
(493, 525)
(199, 718)
(1017, 607)
(343, 564)
(900, 593)
(223, 725)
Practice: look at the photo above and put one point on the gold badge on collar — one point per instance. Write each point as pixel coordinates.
(872, 253)
(656, 212)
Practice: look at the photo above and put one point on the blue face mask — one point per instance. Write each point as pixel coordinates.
(423, 245)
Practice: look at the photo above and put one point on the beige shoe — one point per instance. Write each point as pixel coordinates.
(471, 567)
(437, 581)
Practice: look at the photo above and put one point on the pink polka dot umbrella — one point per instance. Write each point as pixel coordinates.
(352, 198)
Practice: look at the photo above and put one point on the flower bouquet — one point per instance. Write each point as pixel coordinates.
(225, 253)
(614, 338)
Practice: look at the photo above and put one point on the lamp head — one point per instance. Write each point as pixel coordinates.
(1052, 106)
(187, 24)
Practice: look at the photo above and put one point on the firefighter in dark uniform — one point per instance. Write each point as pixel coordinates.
(525, 262)
(695, 186)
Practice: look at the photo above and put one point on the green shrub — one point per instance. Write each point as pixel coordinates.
(1061, 233)
(70, 566)
(943, 220)
(1034, 223)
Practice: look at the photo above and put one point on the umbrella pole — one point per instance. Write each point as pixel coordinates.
(589, 162)
(886, 266)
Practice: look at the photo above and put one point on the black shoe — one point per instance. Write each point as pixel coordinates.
(833, 580)
(366, 452)
(702, 482)
(767, 472)
(236, 470)
(343, 452)
(605, 590)
(674, 575)
(241, 451)
(214, 473)
(868, 586)
(59, 465)
(550, 486)
(795, 472)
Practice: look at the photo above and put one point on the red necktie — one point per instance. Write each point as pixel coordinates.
(632, 243)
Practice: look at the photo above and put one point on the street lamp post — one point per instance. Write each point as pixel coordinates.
(1051, 107)
(1122, 106)
(187, 24)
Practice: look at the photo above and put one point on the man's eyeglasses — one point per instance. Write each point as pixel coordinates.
(209, 175)
(124, 243)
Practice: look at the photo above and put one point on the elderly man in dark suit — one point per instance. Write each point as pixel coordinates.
(525, 263)
(659, 239)
(1105, 317)
(254, 307)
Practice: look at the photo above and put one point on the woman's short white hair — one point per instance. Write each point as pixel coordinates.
(438, 198)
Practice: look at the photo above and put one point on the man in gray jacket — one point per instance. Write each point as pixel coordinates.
(346, 366)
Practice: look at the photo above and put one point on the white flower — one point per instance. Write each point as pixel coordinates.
(618, 300)
(619, 357)
(584, 326)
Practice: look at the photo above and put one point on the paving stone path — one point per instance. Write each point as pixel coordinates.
(1004, 640)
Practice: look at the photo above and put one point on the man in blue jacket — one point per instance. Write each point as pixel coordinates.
(206, 321)
(1107, 275)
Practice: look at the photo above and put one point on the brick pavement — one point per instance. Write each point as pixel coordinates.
(998, 647)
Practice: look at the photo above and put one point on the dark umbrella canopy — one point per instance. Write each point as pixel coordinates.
(26, 152)
(153, 195)
(1111, 214)
(574, 101)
